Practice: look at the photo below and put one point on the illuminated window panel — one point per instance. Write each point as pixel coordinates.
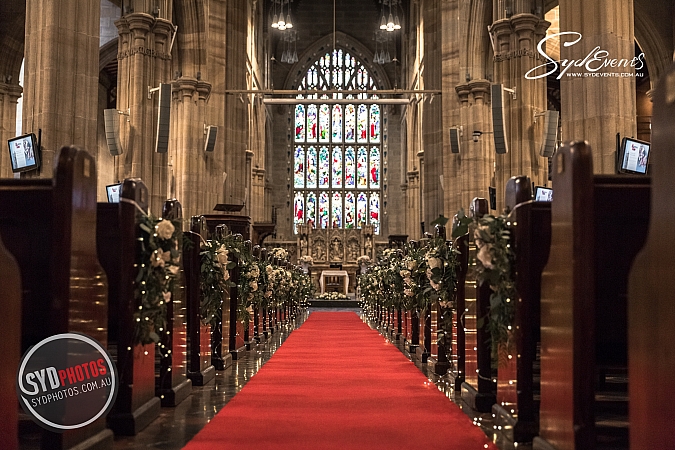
(311, 209)
(350, 209)
(299, 168)
(362, 168)
(311, 168)
(336, 211)
(337, 167)
(350, 123)
(324, 123)
(337, 123)
(299, 209)
(311, 123)
(375, 167)
(350, 168)
(324, 167)
(375, 211)
(374, 124)
(323, 209)
(300, 123)
(362, 124)
(361, 210)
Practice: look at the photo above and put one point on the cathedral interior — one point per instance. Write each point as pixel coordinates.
(336, 130)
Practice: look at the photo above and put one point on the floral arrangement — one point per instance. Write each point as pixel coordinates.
(494, 266)
(363, 260)
(279, 253)
(441, 261)
(306, 259)
(332, 296)
(415, 278)
(160, 246)
(214, 281)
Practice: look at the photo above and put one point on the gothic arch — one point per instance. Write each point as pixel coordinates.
(658, 57)
(325, 44)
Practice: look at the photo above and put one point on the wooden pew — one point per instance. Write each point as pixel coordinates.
(516, 410)
(10, 347)
(49, 225)
(478, 389)
(117, 233)
(598, 224)
(171, 383)
(651, 363)
(200, 368)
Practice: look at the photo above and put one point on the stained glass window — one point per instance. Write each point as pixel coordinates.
(337, 167)
(374, 167)
(336, 210)
(362, 168)
(324, 165)
(299, 170)
(337, 185)
(337, 123)
(324, 123)
(300, 123)
(374, 123)
(311, 167)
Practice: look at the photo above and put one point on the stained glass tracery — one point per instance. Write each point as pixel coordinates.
(337, 185)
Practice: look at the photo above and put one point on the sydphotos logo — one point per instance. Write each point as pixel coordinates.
(593, 65)
(66, 381)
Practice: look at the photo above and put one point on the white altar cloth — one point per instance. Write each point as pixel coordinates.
(334, 273)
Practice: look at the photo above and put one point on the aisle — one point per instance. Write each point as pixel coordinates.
(336, 383)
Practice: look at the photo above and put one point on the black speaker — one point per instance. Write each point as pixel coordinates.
(550, 137)
(163, 118)
(111, 119)
(211, 133)
(498, 119)
(454, 140)
(493, 197)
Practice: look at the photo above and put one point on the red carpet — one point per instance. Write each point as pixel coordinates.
(337, 384)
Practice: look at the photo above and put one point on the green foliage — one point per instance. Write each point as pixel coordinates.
(213, 282)
(460, 225)
(160, 244)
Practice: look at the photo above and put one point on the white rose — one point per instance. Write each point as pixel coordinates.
(405, 273)
(226, 274)
(159, 257)
(434, 263)
(173, 270)
(412, 265)
(165, 229)
(167, 296)
(268, 294)
(254, 286)
(408, 292)
(484, 256)
(221, 255)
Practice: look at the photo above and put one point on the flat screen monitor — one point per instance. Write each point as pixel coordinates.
(113, 191)
(634, 156)
(543, 194)
(23, 153)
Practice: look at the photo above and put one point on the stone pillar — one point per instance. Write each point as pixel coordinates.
(236, 109)
(596, 109)
(516, 38)
(144, 62)
(61, 75)
(9, 95)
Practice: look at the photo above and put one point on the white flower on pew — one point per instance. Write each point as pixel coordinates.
(408, 292)
(412, 265)
(434, 263)
(405, 273)
(174, 270)
(159, 257)
(226, 274)
(254, 286)
(485, 257)
(268, 294)
(165, 229)
(221, 255)
(167, 296)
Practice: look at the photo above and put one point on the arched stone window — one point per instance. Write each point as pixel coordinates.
(337, 147)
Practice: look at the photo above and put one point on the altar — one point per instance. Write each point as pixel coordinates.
(334, 274)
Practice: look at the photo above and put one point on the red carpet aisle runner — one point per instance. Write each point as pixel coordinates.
(337, 384)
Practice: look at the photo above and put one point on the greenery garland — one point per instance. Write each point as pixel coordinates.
(214, 280)
(494, 264)
(441, 262)
(159, 264)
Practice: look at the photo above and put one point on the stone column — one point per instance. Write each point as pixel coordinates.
(236, 109)
(596, 109)
(61, 75)
(9, 95)
(144, 62)
(516, 38)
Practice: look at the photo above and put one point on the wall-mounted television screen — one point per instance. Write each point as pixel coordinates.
(23, 153)
(543, 194)
(114, 191)
(634, 156)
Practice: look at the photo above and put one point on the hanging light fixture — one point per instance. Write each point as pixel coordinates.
(390, 22)
(289, 22)
(397, 23)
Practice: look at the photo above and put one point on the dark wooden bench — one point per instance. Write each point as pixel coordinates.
(200, 367)
(651, 362)
(598, 224)
(117, 233)
(49, 226)
(10, 347)
(171, 383)
(516, 410)
(478, 389)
